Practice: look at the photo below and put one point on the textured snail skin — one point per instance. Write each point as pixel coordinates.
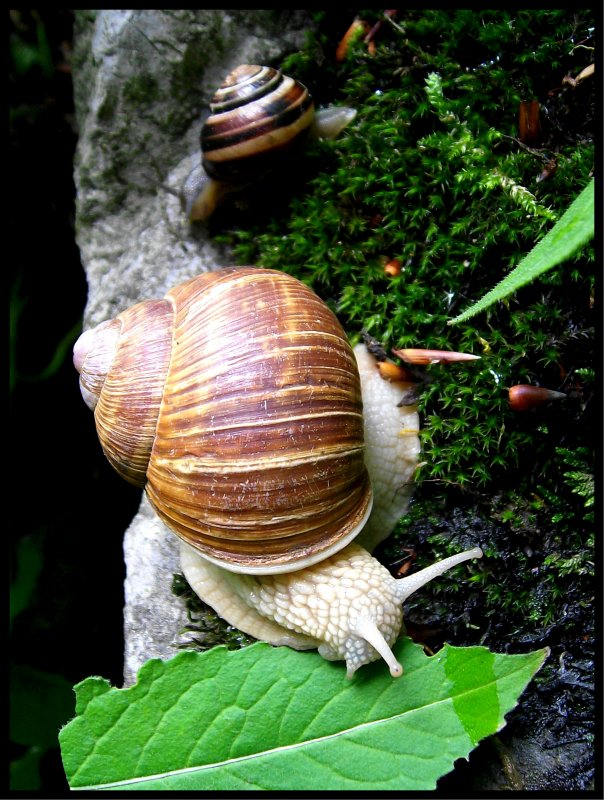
(392, 448)
(349, 604)
(259, 118)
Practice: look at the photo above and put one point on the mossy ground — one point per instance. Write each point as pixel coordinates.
(433, 174)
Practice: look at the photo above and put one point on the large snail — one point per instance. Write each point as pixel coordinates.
(259, 118)
(236, 401)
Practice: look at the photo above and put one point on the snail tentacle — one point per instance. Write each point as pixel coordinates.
(349, 605)
(330, 121)
(365, 628)
(411, 583)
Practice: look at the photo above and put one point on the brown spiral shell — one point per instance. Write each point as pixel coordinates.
(236, 401)
(258, 116)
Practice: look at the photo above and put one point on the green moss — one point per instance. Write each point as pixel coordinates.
(432, 173)
(108, 107)
(536, 574)
(194, 62)
(140, 90)
(205, 628)
(184, 74)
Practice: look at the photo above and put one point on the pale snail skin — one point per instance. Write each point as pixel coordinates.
(259, 118)
(328, 593)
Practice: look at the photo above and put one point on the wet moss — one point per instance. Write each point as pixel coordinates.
(434, 175)
(140, 91)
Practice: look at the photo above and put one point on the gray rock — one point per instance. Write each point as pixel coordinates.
(142, 79)
(153, 616)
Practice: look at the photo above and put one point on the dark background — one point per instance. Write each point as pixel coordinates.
(68, 510)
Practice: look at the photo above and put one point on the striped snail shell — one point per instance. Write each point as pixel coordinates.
(259, 118)
(221, 399)
(237, 402)
(258, 115)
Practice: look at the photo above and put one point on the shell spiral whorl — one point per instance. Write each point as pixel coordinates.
(123, 365)
(258, 115)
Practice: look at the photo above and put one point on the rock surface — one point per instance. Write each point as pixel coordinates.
(142, 79)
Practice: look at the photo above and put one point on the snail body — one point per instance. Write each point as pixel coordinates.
(349, 606)
(259, 118)
(237, 402)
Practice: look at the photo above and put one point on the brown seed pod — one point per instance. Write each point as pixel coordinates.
(394, 372)
(528, 121)
(357, 29)
(389, 13)
(420, 356)
(525, 397)
(588, 72)
(393, 267)
(547, 172)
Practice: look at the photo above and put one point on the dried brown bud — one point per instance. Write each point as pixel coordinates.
(524, 397)
(548, 171)
(358, 28)
(585, 73)
(528, 121)
(393, 267)
(393, 372)
(419, 356)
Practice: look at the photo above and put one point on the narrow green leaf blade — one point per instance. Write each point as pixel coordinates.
(271, 718)
(573, 230)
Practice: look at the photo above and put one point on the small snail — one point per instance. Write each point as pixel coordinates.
(259, 118)
(236, 401)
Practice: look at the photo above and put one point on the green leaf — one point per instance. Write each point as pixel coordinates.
(40, 703)
(27, 570)
(571, 232)
(25, 771)
(275, 719)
